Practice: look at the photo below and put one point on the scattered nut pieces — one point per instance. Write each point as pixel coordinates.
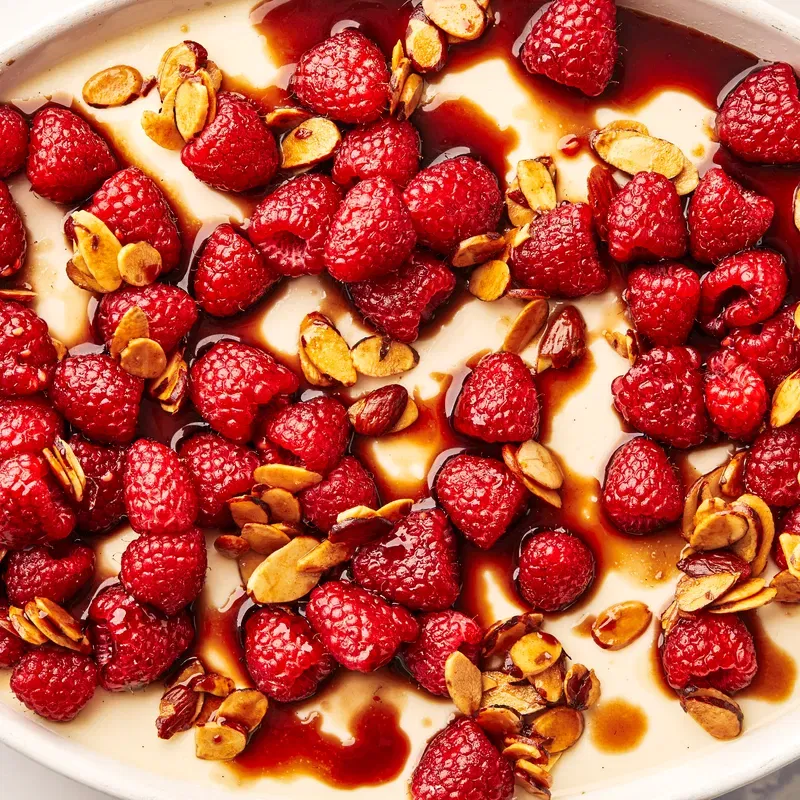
(731, 482)
(490, 281)
(623, 344)
(787, 587)
(521, 697)
(535, 652)
(550, 496)
(786, 401)
(67, 469)
(178, 63)
(581, 687)
(688, 179)
(278, 580)
(499, 721)
(401, 71)
(326, 349)
(180, 706)
(378, 412)
(409, 416)
(463, 681)
(57, 625)
(634, 152)
(380, 357)
(171, 387)
(230, 546)
(463, 19)
(425, 46)
(517, 747)
(310, 143)
(326, 555)
(246, 508)
(718, 529)
(112, 87)
(143, 358)
(501, 636)
(283, 506)
(410, 97)
(99, 249)
(192, 107)
(550, 683)
(561, 727)
(621, 624)
(133, 325)
(264, 539)
(695, 594)
(748, 603)
(526, 326)
(478, 249)
(285, 476)
(564, 341)
(537, 463)
(715, 712)
(160, 126)
(24, 628)
(287, 117)
(537, 184)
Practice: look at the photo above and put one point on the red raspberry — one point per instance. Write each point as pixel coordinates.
(159, 491)
(709, 650)
(453, 200)
(480, 496)
(441, 633)
(646, 222)
(736, 397)
(560, 256)
(284, 656)
(55, 684)
(385, 149)
(602, 189)
(98, 397)
(237, 151)
(232, 381)
(663, 302)
(760, 119)
(347, 486)
(57, 573)
(220, 470)
(165, 571)
(13, 240)
(27, 354)
(642, 491)
(460, 762)
(742, 290)
(399, 303)
(575, 44)
(773, 465)
(135, 210)
(12, 648)
(14, 136)
(34, 509)
(134, 646)
(344, 78)
(498, 402)
(170, 311)
(103, 504)
(414, 564)
(67, 160)
(231, 274)
(361, 630)
(371, 234)
(661, 395)
(290, 225)
(774, 350)
(27, 425)
(725, 218)
(316, 431)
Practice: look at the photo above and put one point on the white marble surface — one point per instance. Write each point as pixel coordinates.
(23, 779)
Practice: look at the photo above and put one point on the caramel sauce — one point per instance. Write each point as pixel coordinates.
(777, 670)
(617, 726)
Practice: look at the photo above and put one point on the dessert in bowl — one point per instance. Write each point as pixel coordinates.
(419, 332)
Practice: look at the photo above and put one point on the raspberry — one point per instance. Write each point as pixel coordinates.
(663, 302)
(742, 290)
(773, 465)
(315, 431)
(12, 648)
(134, 646)
(560, 256)
(98, 397)
(661, 395)
(290, 225)
(453, 200)
(135, 210)
(14, 136)
(165, 571)
(736, 397)
(414, 564)
(725, 218)
(371, 234)
(498, 402)
(159, 492)
(232, 381)
(760, 119)
(461, 763)
(398, 304)
(170, 311)
(231, 274)
(57, 573)
(237, 151)
(27, 354)
(645, 221)
(55, 684)
(575, 44)
(34, 509)
(385, 149)
(284, 656)
(361, 630)
(220, 470)
(344, 78)
(347, 485)
(103, 504)
(709, 650)
(642, 491)
(441, 633)
(27, 425)
(602, 189)
(13, 240)
(67, 159)
(480, 496)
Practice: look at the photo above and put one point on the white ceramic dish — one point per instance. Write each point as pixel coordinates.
(701, 772)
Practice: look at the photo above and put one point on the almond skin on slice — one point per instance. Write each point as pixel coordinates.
(246, 508)
(715, 712)
(286, 117)
(694, 594)
(633, 152)
(526, 326)
(112, 87)
(463, 681)
(99, 249)
(787, 586)
(264, 539)
(425, 45)
(66, 467)
(178, 63)
(409, 416)
(490, 281)
(277, 579)
(325, 556)
(410, 96)
(539, 464)
(537, 185)
(230, 546)
(380, 357)
(326, 349)
(401, 71)
(499, 721)
(621, 624)
(310, 143)
(463, 19)
(478, 249)
(285, 476)
(581, 687)
(379, 411)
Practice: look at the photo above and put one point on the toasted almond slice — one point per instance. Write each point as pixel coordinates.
(786, 401)
(425, 45)
(212, 683)
(715, 712)
(623, 344)
(285, 476)
(627, 125)
(192, 104)
(463, 19)
(687, 180)
(550, 496)
(326, 349)
(244, 708)
(528, 324)
(409, 416)
(478, 249)
(139, 264)
(171, 387)
(246, 508)
(519, 215)
(230, 546)
(410, 96)
(283, 506)
(539, 464)
(581, 687)
(264, 539)
(380, 357)
(787, 587)
(522, 697)
(500, 637)
(66, 468)
(214, 73)
(112, 87)
(731, 482)
(133, 325)
(396, 510)
(356, 512)
(742, 591)
(517, 747)
(311, 373)
(541, 778)
(212, 82)
(401, 71)
(550, 683)
(634, 152)
(398, 54)
(709, 487)
(310, 143)
(180, 706)
(99, 248)
(216, 742)
(746, 604)
(143, 358)
(621, 624)
(287, 117)
(463, 681)
(278, 580)
(79, 275)
(490, 281)
(747, 547)
(694, 594)
(790, 545)
(58, 626)
(326, 555)
(499, 721)
(535, 652)
(24, 628)
(766, 523)
(18, 295)
(560, 727)
(670, 617)
(178, 63)
(718, 529)
(491, 679)
(537, 184)
(160, 126)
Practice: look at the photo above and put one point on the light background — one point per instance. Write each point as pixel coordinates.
(25, 780)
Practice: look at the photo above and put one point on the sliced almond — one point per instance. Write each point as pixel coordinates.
(78, 273)
(463, 19)
(278, 580)
(627, 125)
(161, 127)
(180, 706)
(425, 45)
(539, 464)
(559, 727)
(398, 54)
(112, 87)
(61, 349)
(787, 587)
(139, 263)
(216, 742)
(623, 344)
(517, 747)
(214, 684)
(285, 476)
(521, 697)
(99, 249)
(747, 603)
(550, 496)
(244, 708)
(535, 652)
(246, 508)
(287, 117)
(310, 372)
(380, 357)
(66, 467)
(490, 281)
(500, 637)
(621, 624)
(143, 358)
(264, 539)
(581, 687)
(409, 416)
(326, 349)
(401, 71)
(326, 555)
(212, 83)
(171, 387)
(310, 143)
(519, 213)
(634, 152)
(396, 510)
(178, 63)
(715, 712)
(688, 179)
(133, 325)
(18, 295)
(57, 625)
(230, 546)
(538, 774)
(528, 324)
(741, 591)
(766, 523)
(537, 184)
(410, 96)
(550, 683)
(463, 681)
(283, 506)
(786, 401)
(718, 529)
(192, 106)
(790, 545)
(694, 594)
(24, 628)
(478, 249)
(731, 482)
(499, 721)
